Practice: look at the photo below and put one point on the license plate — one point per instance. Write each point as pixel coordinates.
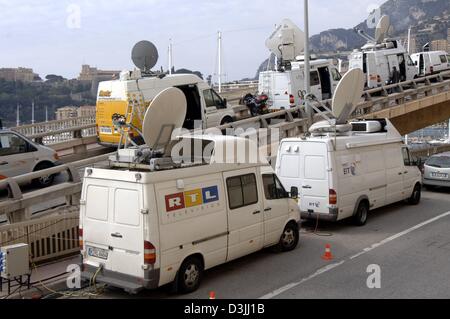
(106, 130)
(439, 175)
(97, 252)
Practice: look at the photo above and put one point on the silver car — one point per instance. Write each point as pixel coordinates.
(19, 155)
(437, 170)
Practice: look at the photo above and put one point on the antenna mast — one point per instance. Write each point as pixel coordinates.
(219, 34)
(307, 65)
(170, 56)
(18, 115)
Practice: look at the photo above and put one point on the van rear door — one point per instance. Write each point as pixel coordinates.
(112, 225)
(304, 165)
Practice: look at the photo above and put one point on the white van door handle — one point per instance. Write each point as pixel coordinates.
(307, 187)
(257, 212)
(117, 235)
(268, 209)
(3, 163)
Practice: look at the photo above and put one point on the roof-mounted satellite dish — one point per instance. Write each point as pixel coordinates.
(144, 55)
(382, 29)
(165, 114)
(348, 94)
(287, 41)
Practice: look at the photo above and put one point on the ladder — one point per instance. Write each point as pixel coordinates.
(135, 112)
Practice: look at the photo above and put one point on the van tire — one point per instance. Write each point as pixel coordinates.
(289, 238)
(416, 195)
(45, 181)
(362, 212)
(190, 275)
(226, 120)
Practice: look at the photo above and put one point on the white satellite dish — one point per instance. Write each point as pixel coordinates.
(166, 113)
(382, 28)
(287, 41)
(348, 94)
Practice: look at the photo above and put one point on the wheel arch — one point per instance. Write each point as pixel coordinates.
(361, 199)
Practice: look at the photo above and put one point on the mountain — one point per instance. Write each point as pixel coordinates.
(430, 15)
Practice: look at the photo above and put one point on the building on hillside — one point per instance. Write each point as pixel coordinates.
(90, 74)
(66, 112)
(18, 74)
(439, 45)
(86, 110)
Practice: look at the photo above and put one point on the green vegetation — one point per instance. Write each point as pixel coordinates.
(54, 93)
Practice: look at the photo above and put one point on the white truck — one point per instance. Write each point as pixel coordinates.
(428, 63)
(286, 88)
(379, 60)
(144, 228)
(345, 175)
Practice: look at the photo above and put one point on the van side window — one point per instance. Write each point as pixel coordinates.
(273, 189)
(209, 100)
(315, 79)
(218, 102)
(11, 144)
(443, 59)
(410, 61)
(335, 74)
(406, 157)
(242, 191)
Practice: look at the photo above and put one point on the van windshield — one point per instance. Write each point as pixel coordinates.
(439, 162)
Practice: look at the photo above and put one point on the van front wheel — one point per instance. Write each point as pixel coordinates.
(360, 218)
(289, 239)
(416, 195)
(190, 275)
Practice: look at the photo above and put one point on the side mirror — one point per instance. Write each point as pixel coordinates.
(415, 63)
(294, 192)
(225, 102)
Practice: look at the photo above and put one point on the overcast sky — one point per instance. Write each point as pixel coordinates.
(48, 36)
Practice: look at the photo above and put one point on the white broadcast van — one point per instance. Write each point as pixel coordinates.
(381, 56)
(286, 88)
(347, 175)
(286, 84)
(149, 220)
(428, 63)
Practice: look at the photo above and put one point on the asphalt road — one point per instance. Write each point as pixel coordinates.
(410, 244)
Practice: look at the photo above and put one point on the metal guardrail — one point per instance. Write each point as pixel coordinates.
(48, 133)
(49, 237)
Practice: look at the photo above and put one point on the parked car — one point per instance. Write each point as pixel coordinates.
(437, 171)
(19, 155)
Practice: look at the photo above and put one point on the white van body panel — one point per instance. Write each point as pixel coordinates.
(280, 85)
(428, 63)
(364, 166)
(181, 212)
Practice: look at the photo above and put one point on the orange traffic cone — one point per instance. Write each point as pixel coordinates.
(212, 295)
(327, 255)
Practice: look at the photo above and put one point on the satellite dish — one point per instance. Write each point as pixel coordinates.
(348, 94)
(382, 28)
(144, 55)
(287, 41)
(165, 114)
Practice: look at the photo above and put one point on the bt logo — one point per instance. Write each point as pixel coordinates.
(192, 198)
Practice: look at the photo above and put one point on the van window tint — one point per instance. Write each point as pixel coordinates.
(443, 59)
(273, 189)
(11, 144)
(209, 100)
(218, 102)
(406, 158)
(242, 191)
(315, 167)
(315, 79)
(336, 75)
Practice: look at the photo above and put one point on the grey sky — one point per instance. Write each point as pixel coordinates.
(40, 33)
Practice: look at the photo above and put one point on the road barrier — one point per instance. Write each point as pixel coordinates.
(49, 238)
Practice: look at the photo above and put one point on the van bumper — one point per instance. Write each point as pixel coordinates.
(332, 216)
(129, 283)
